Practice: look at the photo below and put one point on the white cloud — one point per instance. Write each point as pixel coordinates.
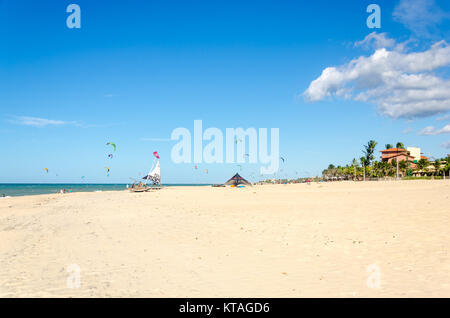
(37, 122)
(377, 40)
(407, 130)
(43, 122)
(419, 16)
(156, 139)
(430, 130)
(446, 144)
(401, 84)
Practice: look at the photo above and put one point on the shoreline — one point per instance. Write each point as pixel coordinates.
(171, 186)
(73, 187)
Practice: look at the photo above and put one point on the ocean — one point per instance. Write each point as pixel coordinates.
(20, 189)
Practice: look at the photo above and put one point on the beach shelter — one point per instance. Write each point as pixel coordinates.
(236, 180)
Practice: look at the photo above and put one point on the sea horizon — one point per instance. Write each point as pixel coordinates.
(24, 189)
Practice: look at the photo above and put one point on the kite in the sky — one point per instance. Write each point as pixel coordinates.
(46, 169)
(195, 167)
(112, 144)
(282, 159)
(110, 156)
(107, 169)
(155, 153)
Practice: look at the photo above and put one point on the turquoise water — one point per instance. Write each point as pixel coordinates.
(20, 189)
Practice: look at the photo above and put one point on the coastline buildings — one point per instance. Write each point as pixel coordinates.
(411, 155)
(399, 154)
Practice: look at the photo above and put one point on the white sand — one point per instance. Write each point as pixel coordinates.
(266, 241)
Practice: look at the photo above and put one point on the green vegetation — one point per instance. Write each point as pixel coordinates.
(424, 169)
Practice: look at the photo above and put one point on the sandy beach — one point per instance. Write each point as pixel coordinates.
(318, 240)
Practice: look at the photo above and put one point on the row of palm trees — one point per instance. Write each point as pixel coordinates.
(368, 167)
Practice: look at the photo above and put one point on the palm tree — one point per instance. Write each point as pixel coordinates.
(364, 165)
(437, 166)
(355, 165)
(447, 166)
(402, 165)
(368, 151)
(422, 164)
(400, 145)
(388, 146)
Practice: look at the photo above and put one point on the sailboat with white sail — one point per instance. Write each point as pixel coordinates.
(154, 176)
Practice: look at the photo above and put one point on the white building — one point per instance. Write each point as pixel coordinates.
(414, 152)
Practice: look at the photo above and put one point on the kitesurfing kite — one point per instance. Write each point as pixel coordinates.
(112, 144)
(282, 159)
(107, 169)
(110, 156)
(46, 169)
(195, 166)
(155, 153)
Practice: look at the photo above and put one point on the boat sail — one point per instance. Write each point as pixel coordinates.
(155, 175)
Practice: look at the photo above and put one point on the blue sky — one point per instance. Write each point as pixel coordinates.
(136, 71)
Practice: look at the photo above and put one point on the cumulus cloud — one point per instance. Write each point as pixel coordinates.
(419, 16)
(401, 84)
(430, 130)
(37, 122)
(376, 40)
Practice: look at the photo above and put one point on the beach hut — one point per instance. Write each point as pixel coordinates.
(237, 180)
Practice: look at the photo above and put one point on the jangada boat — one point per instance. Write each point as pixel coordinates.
(154, 176)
